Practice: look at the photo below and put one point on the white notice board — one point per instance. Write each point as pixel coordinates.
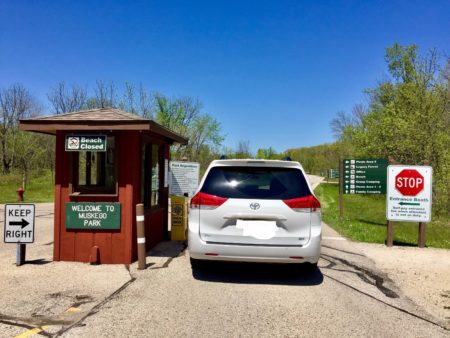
(409, 195)
(184, 178)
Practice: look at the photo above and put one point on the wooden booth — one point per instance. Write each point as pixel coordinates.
(107, 161)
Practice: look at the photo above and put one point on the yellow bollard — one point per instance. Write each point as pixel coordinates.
(179, 218)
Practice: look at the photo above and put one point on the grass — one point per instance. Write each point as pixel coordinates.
(40, 188)
(364, 220)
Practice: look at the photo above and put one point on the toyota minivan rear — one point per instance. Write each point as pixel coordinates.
(255, 211)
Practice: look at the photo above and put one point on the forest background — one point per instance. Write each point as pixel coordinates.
(406, 119)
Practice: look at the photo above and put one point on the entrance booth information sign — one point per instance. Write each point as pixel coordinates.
(184, 178)
(19, 223)
(86, 143)
(93, 216)
(409, 193)
(364, 176)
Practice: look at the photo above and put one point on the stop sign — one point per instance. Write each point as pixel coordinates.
(409, 182)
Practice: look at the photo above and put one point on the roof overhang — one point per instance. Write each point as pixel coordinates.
(49, 125)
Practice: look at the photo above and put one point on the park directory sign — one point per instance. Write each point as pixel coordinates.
(364, 176)
(409, 193)
(86, 143)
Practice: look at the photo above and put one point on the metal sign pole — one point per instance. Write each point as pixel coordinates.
(20, 254)
(341, 187)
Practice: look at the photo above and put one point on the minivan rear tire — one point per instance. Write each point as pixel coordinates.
(196, 264)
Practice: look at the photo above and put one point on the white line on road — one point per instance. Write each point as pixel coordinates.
(334, 238)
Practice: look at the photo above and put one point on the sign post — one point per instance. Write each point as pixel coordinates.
(19, 228)
(409, 197)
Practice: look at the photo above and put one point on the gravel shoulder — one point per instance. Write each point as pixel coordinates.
(423, 275)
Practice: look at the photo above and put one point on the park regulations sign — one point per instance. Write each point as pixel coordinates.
(92, 216)
(95, 143)
(364, 176)
(409, 193)
(184, 178)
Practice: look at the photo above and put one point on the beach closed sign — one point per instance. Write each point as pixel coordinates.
(86, 143)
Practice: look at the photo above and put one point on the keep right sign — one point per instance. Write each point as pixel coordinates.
(409, 193)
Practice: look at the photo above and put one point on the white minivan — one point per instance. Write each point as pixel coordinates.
(254, 211)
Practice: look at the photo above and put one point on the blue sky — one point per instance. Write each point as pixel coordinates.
(274, 73)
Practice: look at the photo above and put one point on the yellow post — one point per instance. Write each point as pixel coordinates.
(179, 217)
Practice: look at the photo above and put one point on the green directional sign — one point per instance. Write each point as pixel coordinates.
(333, 173)
(86, 143)
(364, 176)
(93, 216)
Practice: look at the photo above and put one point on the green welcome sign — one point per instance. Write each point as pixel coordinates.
(92, 216)
(85, 142)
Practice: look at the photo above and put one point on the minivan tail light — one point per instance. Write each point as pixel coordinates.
(206, 201)
(308, 203)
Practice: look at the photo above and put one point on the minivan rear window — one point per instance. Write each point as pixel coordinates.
(256, 182)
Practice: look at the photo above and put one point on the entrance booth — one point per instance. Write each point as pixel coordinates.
(107, 162)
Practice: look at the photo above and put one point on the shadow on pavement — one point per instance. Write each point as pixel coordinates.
(39, 261)
(257, 273)
(410, 244)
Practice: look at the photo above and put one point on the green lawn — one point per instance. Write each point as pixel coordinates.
(364, 220)
(39, 189)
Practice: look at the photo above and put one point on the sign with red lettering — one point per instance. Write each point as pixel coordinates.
(409, 193)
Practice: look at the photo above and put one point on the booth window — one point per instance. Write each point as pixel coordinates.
(95, 172)
(151, 172)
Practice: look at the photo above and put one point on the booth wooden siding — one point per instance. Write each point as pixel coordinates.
(115, 246)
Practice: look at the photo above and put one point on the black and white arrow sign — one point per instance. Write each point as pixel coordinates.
(23, 223)
(19, 223)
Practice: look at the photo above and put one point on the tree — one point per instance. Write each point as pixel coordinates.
(205, 131)
(343, 124)
(184, 116)
(267, 154)
(243, 150)
(318, 159)
(16, 103)
(136, 101)
(408, 117)
(105, 95)
(66, 100)
(30, 153)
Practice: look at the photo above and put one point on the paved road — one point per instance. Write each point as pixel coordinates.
(346, 297)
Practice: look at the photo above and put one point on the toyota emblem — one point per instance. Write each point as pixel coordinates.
(255, 206)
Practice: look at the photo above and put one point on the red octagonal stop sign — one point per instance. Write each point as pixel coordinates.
(409, 182)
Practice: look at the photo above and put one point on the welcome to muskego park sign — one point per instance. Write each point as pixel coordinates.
(86, 143)
(92, 216)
